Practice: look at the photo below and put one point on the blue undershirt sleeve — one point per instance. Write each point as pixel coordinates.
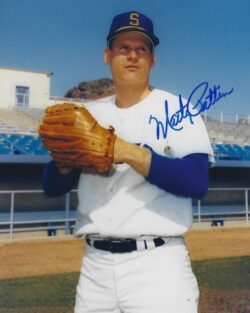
(186, 177)
(54, 183)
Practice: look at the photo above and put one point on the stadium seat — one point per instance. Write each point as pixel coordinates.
(216, 222)
(231, 152)
(14, 138)
(41, 150)
(5, 149)
(29, 144)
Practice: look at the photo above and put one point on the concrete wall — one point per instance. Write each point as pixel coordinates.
(28, 177)
(38, 83)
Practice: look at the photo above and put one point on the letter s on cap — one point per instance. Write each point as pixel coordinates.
(134, 19)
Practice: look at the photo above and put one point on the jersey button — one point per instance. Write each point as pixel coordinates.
(167, 150)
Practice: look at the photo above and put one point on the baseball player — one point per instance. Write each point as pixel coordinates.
(135, 207)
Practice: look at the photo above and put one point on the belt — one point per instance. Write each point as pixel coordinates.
(123, 245)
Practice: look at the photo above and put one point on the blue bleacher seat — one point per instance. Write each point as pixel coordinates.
(27, 139)
(19, 144)
(29, 144)
(5, 150)
(231, 152)
(220, 151)
(41, 150)
(32, 145)
(14, 137)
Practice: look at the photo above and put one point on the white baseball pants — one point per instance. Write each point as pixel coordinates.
(150, 281)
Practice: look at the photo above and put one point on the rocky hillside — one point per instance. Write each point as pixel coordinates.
(93, 89)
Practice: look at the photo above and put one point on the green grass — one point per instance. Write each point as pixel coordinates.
(53, 290)
(59, 290)
(223, 274)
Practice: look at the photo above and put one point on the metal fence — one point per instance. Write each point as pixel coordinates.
(230, 204)
(213, 209)
(27, 221)
(223, 117)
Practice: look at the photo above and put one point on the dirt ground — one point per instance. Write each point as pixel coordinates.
(62, 255)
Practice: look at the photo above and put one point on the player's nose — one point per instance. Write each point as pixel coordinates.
(132, 54)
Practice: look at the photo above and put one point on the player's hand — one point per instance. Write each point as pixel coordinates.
(75, 139)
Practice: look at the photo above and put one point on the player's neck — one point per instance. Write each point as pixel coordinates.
(129, 95)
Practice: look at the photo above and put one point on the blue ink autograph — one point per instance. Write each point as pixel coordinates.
(206, 97)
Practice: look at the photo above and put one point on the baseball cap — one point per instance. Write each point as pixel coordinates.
(132, 21)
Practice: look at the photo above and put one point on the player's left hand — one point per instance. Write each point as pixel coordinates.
(75, 139)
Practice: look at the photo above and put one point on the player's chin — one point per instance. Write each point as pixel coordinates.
(133, 76)
(138, 73)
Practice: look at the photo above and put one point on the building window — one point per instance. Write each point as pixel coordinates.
(22, 96)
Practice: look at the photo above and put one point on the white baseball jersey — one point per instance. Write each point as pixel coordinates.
(123, 204)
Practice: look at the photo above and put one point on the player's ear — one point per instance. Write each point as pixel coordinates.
(153, 59)
(106, 56)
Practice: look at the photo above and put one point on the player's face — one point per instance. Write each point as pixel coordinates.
(130, 58)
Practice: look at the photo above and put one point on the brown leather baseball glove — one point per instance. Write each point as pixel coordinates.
(75, 139)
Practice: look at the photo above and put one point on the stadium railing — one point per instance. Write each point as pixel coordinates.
(224, 117)
(203, 212)
(29, 221)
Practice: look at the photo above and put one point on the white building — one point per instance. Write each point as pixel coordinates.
(23, 88)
